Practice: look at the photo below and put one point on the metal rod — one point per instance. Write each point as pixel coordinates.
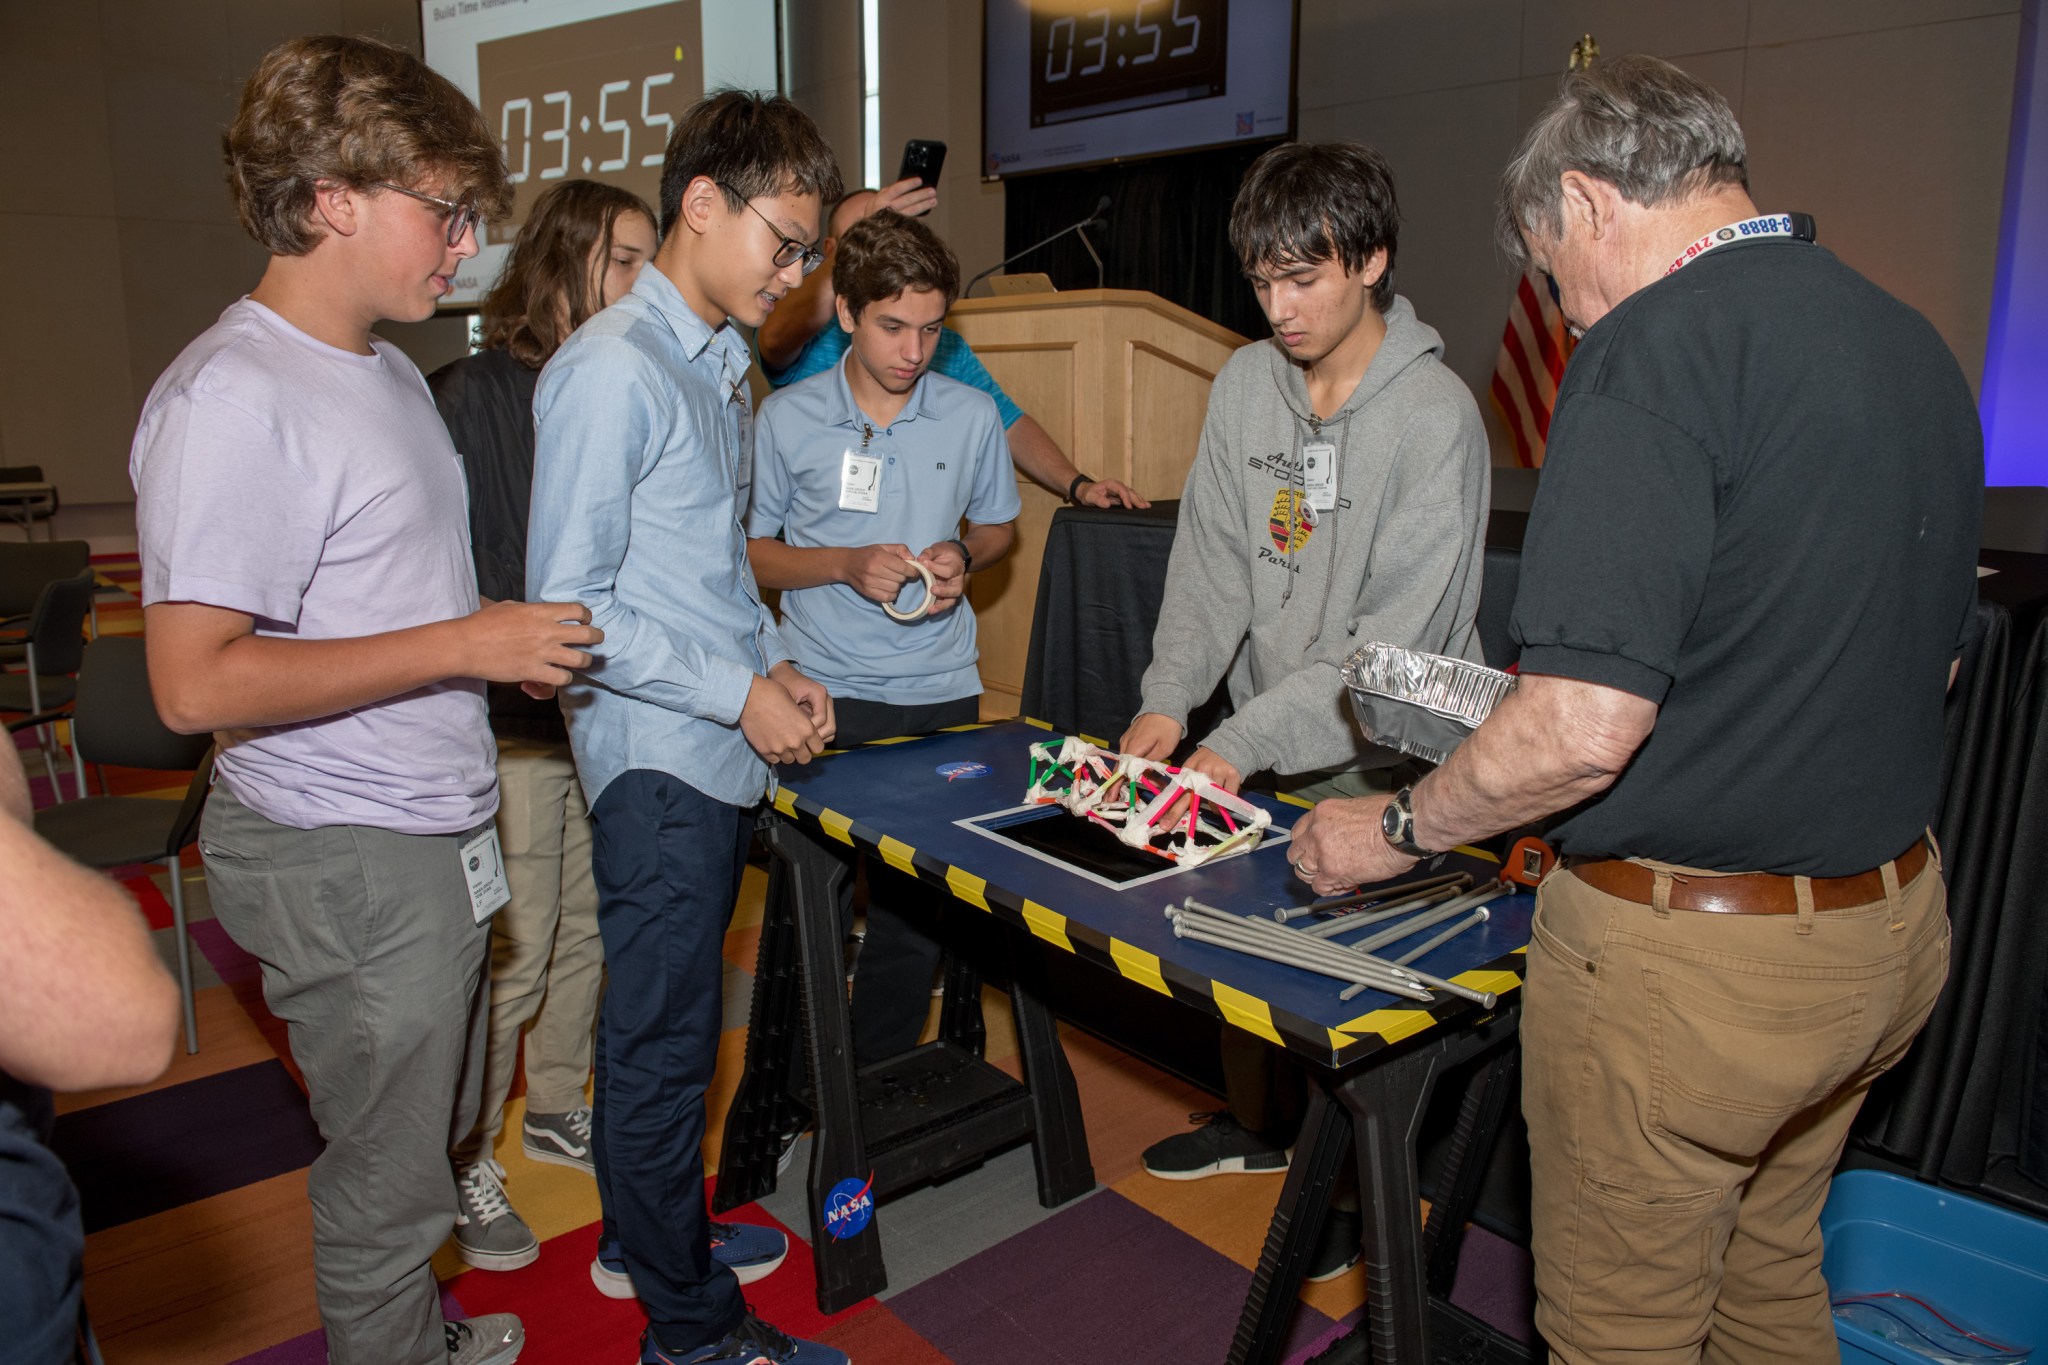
(1297, 947)
(1197, 932)
(1450, 909)
(1350, 967)
(1472, 921)
(1379, 896)
(1359, 919)
(1264, 931)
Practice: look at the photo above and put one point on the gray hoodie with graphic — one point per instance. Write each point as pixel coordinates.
(1254, 589)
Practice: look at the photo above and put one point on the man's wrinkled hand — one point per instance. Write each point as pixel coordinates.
(1339, 846)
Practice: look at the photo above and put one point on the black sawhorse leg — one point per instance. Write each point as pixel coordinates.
(800, 944)
(800, 976)
(1381, 1104)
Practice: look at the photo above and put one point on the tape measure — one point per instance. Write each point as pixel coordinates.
(1528, 862)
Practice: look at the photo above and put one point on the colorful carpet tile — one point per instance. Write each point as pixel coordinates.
(199, 1236)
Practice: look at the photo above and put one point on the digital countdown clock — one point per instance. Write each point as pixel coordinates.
(1091, 60)
(595, 99)
(588, 90)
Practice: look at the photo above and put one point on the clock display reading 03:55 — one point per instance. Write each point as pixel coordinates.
(1093, 59)
(593, 100)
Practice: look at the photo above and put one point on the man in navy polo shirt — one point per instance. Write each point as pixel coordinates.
(863, 474)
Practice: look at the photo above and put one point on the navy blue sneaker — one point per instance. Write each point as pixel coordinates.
(753, 1342)
(748, 1251)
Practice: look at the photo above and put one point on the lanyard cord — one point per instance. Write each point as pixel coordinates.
(1798, 226)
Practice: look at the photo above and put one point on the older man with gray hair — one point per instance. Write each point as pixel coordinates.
(1746, 580)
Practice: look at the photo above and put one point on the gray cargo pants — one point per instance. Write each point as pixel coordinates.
(373, 960)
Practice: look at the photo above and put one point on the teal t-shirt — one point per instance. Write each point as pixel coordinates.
(954, 359)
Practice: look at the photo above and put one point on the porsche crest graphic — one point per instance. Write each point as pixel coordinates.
(1289, 524)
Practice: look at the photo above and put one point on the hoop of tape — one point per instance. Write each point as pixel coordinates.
(917, 612)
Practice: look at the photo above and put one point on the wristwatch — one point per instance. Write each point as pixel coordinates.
(966, 559)
(1397, 822)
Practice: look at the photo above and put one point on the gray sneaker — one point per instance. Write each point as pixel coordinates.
(494, 1339)
(561, 1139)
(488, 1234)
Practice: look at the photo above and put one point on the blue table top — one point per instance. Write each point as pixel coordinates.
(894, 798)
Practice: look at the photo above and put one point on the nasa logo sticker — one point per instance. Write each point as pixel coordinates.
(965, 767)
(849, 1207)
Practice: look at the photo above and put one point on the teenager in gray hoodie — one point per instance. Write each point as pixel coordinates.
(1339, 495)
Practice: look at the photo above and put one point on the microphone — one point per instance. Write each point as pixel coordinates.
(1093, 220)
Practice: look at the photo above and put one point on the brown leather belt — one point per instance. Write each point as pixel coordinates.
(1747, 893)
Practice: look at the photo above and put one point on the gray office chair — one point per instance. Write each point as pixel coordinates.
(51, 651)
(24, 569)
(115, 720)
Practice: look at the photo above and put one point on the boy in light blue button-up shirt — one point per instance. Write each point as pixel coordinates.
(868, 478)
(640, 478)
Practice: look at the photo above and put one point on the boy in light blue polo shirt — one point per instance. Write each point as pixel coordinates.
(863, 474)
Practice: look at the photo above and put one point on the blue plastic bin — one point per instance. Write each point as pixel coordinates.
(1981, 1265)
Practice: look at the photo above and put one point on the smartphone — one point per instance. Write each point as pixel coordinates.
(923, 160)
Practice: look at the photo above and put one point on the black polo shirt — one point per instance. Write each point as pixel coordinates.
(1760, 509)
(486, 400)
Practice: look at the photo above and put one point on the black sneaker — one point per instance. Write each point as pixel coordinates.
(1219, 1145)
(1337, 1249)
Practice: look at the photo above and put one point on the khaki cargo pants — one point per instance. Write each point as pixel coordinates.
(1690, 1079)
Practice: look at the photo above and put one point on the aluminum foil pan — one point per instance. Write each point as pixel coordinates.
(1424, 705)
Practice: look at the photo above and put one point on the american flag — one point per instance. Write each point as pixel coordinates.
(1533, 349)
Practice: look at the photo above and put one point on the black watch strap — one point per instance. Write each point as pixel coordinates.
(966, 559)
(1397, 823)
(1075, 487)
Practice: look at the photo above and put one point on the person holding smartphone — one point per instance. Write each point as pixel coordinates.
(802, 338)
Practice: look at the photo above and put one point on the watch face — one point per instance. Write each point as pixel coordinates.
(1390, 821)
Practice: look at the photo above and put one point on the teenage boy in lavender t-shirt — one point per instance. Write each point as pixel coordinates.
(308, 594)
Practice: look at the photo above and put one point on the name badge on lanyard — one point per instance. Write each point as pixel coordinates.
(483, 867)
(860, 482)
(1319, 475)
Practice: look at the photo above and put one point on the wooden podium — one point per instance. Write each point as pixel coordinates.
(1120, 378)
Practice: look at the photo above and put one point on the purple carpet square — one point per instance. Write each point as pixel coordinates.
(1497, 1284)
(135, 1157)
(1088, 1259)
(229, 962)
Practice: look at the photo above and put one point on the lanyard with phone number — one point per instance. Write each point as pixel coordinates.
(1798, 226)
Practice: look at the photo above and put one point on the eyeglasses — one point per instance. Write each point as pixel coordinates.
(788, 250)
(461, 217)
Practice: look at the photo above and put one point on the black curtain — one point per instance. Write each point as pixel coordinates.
(1168, 230)
(1955, 1110)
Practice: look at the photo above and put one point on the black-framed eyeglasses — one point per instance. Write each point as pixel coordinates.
(788, 250)
(461, 217)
